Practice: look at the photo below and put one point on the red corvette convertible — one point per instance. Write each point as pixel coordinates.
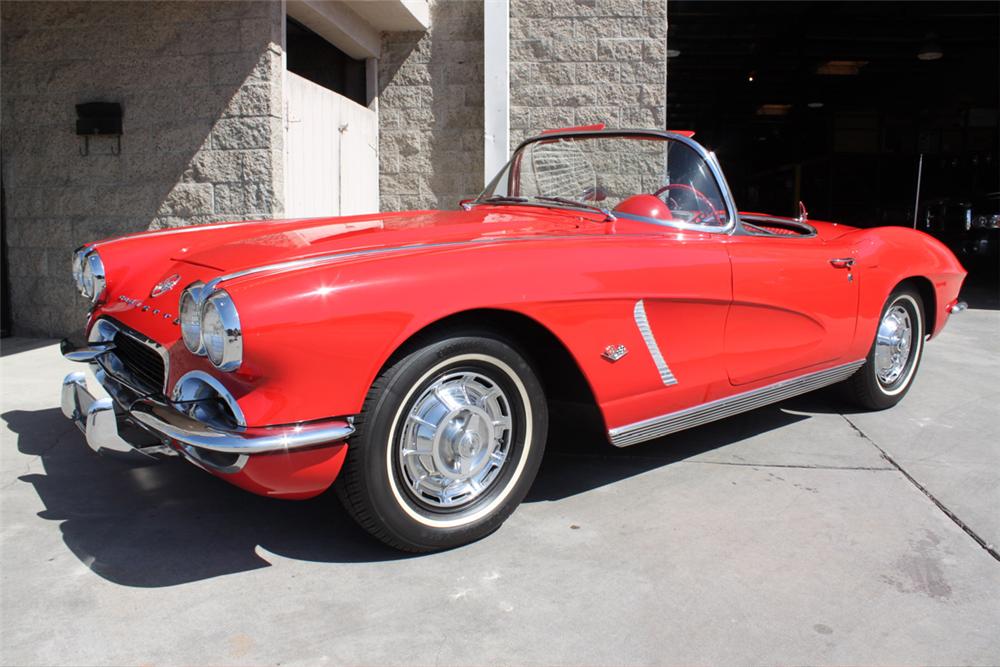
(412, 356)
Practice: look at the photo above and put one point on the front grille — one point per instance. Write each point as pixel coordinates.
(140, 360)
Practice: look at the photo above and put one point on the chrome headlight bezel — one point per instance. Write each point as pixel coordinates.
(78, 258)
(227, 355)
(191, 329)
(89, 274)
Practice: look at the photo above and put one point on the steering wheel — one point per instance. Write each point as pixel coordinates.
(699, 197)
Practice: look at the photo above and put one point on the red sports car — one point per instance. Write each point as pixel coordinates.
(412, 356)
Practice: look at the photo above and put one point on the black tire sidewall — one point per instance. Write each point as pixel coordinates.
(404, 521)
(880, 396)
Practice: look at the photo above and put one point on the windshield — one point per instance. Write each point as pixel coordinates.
(643, 177)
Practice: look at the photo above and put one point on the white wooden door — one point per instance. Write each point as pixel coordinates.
(331, 146)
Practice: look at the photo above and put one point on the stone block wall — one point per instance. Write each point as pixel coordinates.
(431, 110)
(578, 62)
(200, 87)
(573, 62)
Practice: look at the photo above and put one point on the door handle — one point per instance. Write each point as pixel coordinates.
(842, 262)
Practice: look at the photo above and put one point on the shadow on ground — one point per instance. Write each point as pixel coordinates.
(169, 523)
(578, 457)
(9, 346)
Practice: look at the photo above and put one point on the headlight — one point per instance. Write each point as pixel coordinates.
(220, 331)
(88, 271)
(190, 315)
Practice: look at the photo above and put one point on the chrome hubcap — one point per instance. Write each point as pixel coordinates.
(892, 345)
(455, 440)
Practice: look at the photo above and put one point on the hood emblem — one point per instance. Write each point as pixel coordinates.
(165, 285)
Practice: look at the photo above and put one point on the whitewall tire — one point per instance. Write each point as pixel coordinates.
(895, 354)
(448, 442)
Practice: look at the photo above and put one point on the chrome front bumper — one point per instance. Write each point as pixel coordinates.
(99, 421)
(106, 423)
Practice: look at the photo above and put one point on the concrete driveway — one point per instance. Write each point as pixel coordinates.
(800, 533)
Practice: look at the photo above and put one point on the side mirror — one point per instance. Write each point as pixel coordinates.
(466, 204)
(596, 193)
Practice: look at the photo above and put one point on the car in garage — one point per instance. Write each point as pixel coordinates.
(970, 227)
(408, 359)
(983, 247)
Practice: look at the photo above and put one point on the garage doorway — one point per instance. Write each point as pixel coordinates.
(839, 105)
(331, 138)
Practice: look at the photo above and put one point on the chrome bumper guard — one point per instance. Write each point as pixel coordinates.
(99, 421)
(103, 420)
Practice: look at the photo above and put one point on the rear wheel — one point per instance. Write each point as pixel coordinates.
(895, 354)
(447, 444)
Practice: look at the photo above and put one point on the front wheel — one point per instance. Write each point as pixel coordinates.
(895, 354)
(447, 444)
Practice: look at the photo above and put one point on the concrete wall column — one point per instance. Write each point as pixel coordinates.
(496, 82)
(577, 62)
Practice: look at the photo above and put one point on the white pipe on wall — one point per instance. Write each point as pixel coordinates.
(496, 83)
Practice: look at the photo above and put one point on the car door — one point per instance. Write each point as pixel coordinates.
(795, 301)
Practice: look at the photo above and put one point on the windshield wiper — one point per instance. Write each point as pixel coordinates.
(507, 199)
(499, 199)
(608, 216)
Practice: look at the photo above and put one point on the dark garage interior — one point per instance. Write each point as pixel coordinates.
(835, 103)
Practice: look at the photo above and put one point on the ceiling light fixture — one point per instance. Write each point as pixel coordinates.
(673, 53)
(931, 49)
(841, 67)
(815, 105)
(774, 109)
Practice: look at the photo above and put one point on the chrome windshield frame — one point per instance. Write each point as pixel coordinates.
(732, 213)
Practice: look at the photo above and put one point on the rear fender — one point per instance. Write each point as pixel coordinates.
(889, 256)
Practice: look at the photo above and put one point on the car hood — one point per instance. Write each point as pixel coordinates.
(252, 245)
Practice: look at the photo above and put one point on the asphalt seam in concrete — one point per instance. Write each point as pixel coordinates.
(640, 457)
(989, 548)
(791, 465)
